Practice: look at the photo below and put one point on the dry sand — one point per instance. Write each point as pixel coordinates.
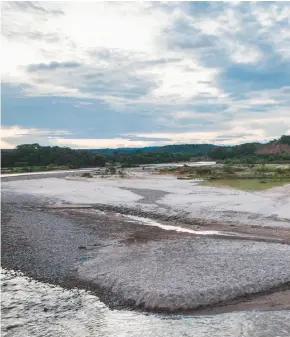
(167, 195)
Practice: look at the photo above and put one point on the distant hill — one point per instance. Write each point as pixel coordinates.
(276, 147)
(194, 149)
(123, 150)
(254, 150)
(279, 146)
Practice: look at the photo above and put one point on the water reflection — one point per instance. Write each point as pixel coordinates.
(32, 308)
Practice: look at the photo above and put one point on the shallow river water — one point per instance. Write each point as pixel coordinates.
(31, 309)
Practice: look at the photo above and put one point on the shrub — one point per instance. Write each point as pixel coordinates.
(112, 170)
(203, 170)
(229, 169)
(86, 175)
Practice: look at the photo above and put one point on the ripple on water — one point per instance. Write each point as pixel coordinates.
(31, 308)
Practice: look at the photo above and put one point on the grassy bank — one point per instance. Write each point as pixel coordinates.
(246, 177)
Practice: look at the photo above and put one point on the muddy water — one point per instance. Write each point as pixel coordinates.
(31, 309)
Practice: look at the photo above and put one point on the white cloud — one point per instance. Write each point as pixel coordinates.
(174, 138)
(243, 53)
(98, 143)
(274, 102)
(232, 133)
(183, 80)
(14, 131)
(230, 31)
(15, 135)
(130, 35)
(236, 135)
(243, 128)
(115, 43)
(186, 114)
(274, 20)
(180, 136)
(158, 58)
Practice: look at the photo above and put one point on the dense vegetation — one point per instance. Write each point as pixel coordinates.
(244, 153)
(258, 159)
(251, 153)
(32, 157)
(123, 150)
(140, 158)
(192, 149)
(285, 140)
(29, 157)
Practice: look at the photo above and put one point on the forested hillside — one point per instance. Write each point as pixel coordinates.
(276, 150)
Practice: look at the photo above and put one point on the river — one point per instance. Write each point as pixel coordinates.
(35, 309)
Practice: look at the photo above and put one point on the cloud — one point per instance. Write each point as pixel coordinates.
(35, 8)
(231, 134)
(176, 67)
(98, 143)
(15, 135)
(237, 135)
(228, 27)
(183, 114)
(52, 66)
(120, 56)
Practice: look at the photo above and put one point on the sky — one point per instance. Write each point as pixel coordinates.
(134, 74)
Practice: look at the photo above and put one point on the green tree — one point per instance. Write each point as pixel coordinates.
(99, 160)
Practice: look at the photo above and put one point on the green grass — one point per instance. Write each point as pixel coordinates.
(247, 184)
(245, 177)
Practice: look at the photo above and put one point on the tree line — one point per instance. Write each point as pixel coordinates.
(28, 155)
(34, 155)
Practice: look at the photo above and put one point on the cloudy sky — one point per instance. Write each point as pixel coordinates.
(129, 74)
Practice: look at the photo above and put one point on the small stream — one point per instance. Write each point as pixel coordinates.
(35, 309)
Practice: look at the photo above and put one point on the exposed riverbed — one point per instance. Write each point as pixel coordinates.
(166, 195)
(131, 262)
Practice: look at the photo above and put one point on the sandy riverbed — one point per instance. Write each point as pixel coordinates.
(147, 267)
(168, 196)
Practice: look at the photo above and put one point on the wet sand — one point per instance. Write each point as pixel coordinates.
(275, 300)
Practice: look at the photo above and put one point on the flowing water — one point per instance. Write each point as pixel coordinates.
(35, 309)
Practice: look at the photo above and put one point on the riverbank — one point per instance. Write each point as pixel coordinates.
(129, 264)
